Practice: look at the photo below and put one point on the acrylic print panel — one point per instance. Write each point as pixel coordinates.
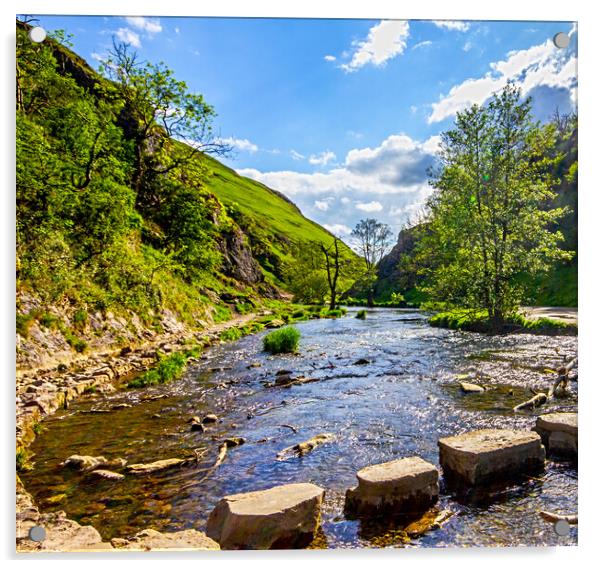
(295, 283)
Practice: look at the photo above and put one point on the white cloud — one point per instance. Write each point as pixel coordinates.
(149, 25)
(296, 155)
(455, 25)
(426, 43)
(322, 159)
(322, 205)
(371, 180)
(338, 229)
(539, 65)
(371, 207)
(241, 144)
(177, 30)
(385, 40)
(467, 46)
(330, 58)
(128, 36)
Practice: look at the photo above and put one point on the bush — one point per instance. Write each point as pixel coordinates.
(230, 334)
(335, 313)
(169, 368)
(23, 324)
(283, 340)
(361, 315)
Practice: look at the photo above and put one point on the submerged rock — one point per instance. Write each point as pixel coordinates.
(197, 427)
(142, 468)
(107, 474)
(303, 448)
(89, 463)
(406, 486)
(210, 419)
(286, 516)
(150, 539)
(233, 442)
(471, 388)
(362, 362)
(559, 432)
(483, 456)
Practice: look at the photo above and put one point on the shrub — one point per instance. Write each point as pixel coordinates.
(231, 334)
(361, 315)
(169, 368)
(23, 324)
(283, 340)
(334, 313)
(80, 319)
(22, 459)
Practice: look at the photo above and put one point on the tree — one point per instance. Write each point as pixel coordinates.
(333, 264)
(305, 276)
(373, 240)
(168, 124)
(487, 228)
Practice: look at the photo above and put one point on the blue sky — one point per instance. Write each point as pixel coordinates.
(342, 116)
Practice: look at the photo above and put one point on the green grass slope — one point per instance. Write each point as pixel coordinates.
(273, 223)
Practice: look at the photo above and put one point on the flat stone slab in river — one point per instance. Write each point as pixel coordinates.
(483, 456)
(401, 487)
(559, 432)
(286, 516)
(150, 539)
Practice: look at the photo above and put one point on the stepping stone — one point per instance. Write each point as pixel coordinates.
(483, 456)
(558, 433)
(285, 516)
(407, 486)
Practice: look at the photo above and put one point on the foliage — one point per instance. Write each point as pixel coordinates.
(487, 225)
(478, 320)
(283, 340)
(361, 315)
(116, 207)
(169, 367)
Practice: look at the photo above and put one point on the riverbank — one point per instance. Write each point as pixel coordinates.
(540, 321)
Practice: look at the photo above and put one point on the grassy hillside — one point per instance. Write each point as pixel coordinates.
(272, 222)
(116, 217)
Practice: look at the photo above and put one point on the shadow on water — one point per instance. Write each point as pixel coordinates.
(399, 403)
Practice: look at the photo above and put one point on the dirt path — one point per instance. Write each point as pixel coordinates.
(566, 315)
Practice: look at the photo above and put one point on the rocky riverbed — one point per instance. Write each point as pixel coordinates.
(384, 388)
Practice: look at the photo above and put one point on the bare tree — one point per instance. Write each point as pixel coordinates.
(333, 264)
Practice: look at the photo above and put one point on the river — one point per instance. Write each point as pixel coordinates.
(397, 405)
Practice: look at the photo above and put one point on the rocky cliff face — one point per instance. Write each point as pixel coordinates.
(392, 277)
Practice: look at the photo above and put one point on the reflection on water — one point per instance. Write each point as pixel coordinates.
(397, 405)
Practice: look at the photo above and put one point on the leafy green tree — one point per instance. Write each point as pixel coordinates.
(159, 111)
(487, 228)
(305, 276)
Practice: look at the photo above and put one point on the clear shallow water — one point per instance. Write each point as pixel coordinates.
(398, 405)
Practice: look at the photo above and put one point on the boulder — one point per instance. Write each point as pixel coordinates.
(558, 433)
(483, 456)
(210, 419)
(286, 516)
(275, 323)
(407, 486)
(150, 539)
(197, 427)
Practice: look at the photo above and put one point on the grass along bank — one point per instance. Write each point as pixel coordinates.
(478, 321)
